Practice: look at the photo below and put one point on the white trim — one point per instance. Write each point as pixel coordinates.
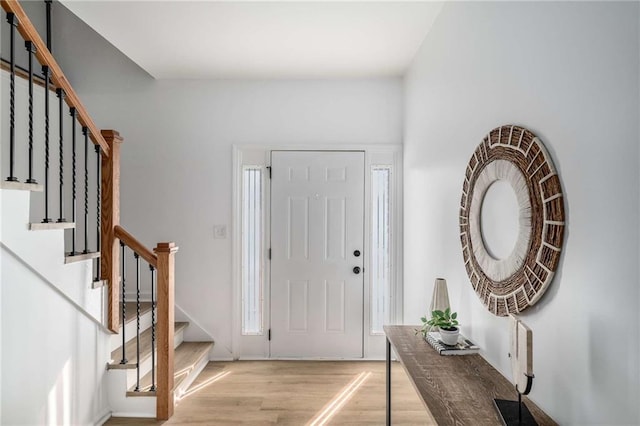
(102, 419)
(257, 347)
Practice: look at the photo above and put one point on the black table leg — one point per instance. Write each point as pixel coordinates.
(388, 383)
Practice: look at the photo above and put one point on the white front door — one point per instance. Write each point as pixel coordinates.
(317, 215)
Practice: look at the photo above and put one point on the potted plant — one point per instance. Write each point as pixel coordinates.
(446, 322)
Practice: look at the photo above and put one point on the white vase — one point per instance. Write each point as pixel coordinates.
(440, 299)
(449, 337)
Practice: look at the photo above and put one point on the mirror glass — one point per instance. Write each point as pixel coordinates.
(499, 219)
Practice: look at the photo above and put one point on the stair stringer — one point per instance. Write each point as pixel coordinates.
(181, 390)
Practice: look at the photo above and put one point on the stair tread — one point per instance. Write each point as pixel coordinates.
(130, 310)
(145, 349)
(186, 358)
(46, 226)
(98, 283)
(78, 257)
(21, 186)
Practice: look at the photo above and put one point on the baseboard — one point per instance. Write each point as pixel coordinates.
(134, 415)
(103, 419)
(256, 358)
(228, 358)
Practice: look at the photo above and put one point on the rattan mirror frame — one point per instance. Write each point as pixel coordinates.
(522, 281)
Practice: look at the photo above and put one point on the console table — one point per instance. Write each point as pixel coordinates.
(457, 390)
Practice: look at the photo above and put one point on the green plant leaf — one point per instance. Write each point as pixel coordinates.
(454, 315)
(437, 313)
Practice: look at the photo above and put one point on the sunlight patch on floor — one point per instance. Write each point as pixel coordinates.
(334, 406)
(206, 383)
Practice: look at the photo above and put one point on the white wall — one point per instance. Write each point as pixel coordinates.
(53, 356)
(54, 349)
(569, 72)
(177, 154)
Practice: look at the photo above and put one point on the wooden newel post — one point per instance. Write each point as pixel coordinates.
(110, 217)
(165, 310)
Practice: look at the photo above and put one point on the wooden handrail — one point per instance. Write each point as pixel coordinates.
(29, 32)
(135, 245)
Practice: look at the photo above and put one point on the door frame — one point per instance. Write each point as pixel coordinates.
(257, 346)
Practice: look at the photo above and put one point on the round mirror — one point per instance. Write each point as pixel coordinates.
(499, 219)
(511, 220)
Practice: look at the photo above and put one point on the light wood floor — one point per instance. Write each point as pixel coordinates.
(293, 393)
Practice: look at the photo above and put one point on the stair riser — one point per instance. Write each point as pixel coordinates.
(145, 366)
(130, 330)
(123, 406)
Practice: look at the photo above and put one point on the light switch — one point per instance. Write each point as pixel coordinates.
(219, 232)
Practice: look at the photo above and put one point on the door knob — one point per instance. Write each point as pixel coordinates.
(356, 270)
(356, 253)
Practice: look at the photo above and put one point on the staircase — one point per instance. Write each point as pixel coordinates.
(43, 250)
(139, 400)
(95, 264)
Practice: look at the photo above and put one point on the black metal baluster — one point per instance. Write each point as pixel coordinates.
(72, 113)
(98, 248)
(60, 94)
(85, 133)
(124, 308)
(13, 21)
(137, 257)
(48, 5)
(31, 48)
(153, 329)
(45, 71)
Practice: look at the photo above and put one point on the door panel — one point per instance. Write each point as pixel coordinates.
(317, 214)
(298, 306)
(335, 226)
(298, 229)
(334, 306)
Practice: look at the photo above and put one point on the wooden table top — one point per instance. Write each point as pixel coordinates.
(457, 390)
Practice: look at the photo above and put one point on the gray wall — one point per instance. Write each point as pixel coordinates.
(37, 15)
(176, 158)
(569, 72)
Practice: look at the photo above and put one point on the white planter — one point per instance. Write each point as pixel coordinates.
(449, 337)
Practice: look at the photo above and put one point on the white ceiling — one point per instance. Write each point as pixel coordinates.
(264, 39)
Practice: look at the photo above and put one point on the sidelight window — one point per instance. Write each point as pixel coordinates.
(252, 251)
(380, 247)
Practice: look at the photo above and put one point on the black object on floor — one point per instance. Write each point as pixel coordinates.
(511, 416)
